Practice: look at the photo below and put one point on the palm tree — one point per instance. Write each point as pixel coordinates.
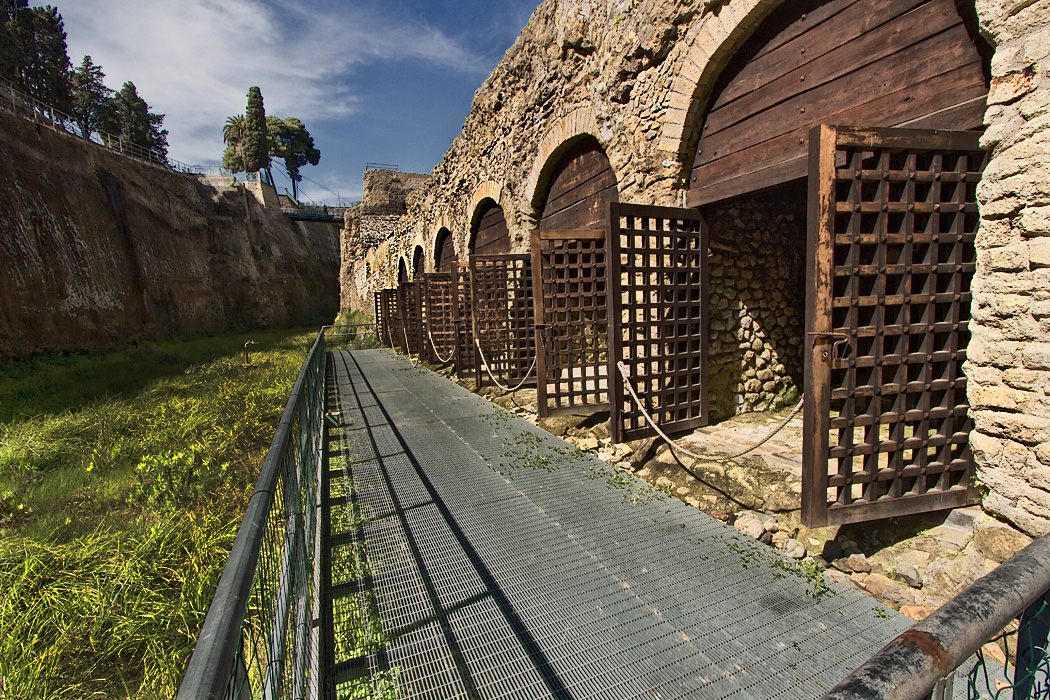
(232, 134)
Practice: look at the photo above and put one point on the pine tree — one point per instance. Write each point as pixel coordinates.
(39, 64)
(255, 145)
(90, 98)
(290, 140)
(135, 124)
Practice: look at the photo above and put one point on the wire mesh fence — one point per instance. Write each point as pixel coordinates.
(259, 638)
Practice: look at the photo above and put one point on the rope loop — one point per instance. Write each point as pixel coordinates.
(437, 354)
(505, 389)
(671, 443)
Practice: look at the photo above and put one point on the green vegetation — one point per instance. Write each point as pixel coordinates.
(34, 57)
(253, 139)
(122, 481)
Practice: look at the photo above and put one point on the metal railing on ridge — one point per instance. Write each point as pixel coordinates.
(259, 638)
(28, 106)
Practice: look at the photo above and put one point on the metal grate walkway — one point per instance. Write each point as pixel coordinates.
(475, 555)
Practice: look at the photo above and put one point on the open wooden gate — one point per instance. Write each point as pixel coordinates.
(411, 309)
(392, 317)
(572, 321)
(892, 222)
(463, 317)
(658, 299)
(382, 332)
(439, 336)
(503, 317)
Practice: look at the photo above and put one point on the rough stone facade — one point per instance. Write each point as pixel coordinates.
(635, 74)
(369, 229)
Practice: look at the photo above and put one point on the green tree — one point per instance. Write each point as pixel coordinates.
(290, 140)
(91, 98)
(233, 135)
(9, 53)
(255, 146)
(35, 58)
(135, 124)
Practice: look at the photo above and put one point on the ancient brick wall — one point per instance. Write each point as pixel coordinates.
(636, 76)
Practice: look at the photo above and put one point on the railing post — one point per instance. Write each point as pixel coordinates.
(1032, 637)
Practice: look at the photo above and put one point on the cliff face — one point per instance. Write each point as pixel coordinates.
(97, 250)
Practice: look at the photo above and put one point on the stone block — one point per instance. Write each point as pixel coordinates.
(1036, 356)
(1039, 252)
(998, 541)
(1024, 379)
(1025, 429)
(1008, 259)
(1005, 508)
(1035, 221)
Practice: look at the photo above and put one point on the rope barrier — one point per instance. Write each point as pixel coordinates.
(496, 381)
(437, 354)
(671, 443)
(404, 334)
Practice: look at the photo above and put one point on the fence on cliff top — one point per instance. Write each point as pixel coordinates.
(24, 105)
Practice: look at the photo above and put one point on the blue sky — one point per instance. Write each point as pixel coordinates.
(374, 81)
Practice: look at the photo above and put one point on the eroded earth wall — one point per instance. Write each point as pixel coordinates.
(97, 250)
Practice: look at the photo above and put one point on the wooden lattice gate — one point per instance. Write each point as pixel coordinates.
(572, 321)
(463, 318)
(892, 222)
(503, 318)
(382, 331)
(392, 316)
(411, 316)
(440, 332)
(658, 299)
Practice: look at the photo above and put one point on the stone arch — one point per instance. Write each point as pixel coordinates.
(402, 270)
(486, 190)
(577, 186)
(710, 43)
(419, 260)
(561, 136)
(445, 255)
(921, 65)
(489, 233)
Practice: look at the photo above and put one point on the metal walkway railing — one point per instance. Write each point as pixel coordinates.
(259, 639)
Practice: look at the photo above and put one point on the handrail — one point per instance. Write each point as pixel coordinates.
(913, 664)
(245, 639)
(21, 102)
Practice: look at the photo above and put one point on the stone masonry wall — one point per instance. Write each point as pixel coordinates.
(635, 74)
(1009, 354)
(756, 304)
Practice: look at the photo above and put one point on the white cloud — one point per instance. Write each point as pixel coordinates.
(194, 60)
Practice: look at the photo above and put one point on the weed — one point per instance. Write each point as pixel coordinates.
(122, 481)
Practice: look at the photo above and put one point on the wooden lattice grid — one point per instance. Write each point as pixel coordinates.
(391, 312)
(440, 332)
(411, 316)
(503, 317)
(463, 315)
(382, 332)
(658, 256)
(569, 269)
(889, 328)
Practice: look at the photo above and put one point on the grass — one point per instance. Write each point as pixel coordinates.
(123, 478)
